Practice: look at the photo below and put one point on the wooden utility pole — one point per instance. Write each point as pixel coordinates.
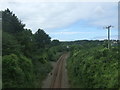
(108, 27)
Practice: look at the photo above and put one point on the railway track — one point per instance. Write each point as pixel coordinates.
(57, 78)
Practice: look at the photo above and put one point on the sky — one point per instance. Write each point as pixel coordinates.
(67, 21)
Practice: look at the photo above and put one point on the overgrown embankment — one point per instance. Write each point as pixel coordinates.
(93, 67)
(26, 56)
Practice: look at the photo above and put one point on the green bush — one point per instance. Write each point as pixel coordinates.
(40, 71)
(17, 71)
(13, 75)
(27, 68)
(93, 68)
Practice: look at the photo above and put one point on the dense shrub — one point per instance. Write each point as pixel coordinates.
(13, 75)
(93, 68)
(22, 51)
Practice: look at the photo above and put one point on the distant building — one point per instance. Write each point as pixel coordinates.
(67, 46)
(114, 43)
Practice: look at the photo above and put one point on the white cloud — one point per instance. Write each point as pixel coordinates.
(69, 33)
(56, 15)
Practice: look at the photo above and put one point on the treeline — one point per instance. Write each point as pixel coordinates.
(93, 66)
(26, 55)
(90, 43)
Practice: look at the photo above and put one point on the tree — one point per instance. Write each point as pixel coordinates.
(42, 39)
(55, 42)
(26, 40)
(10, 22)
(9, 44)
